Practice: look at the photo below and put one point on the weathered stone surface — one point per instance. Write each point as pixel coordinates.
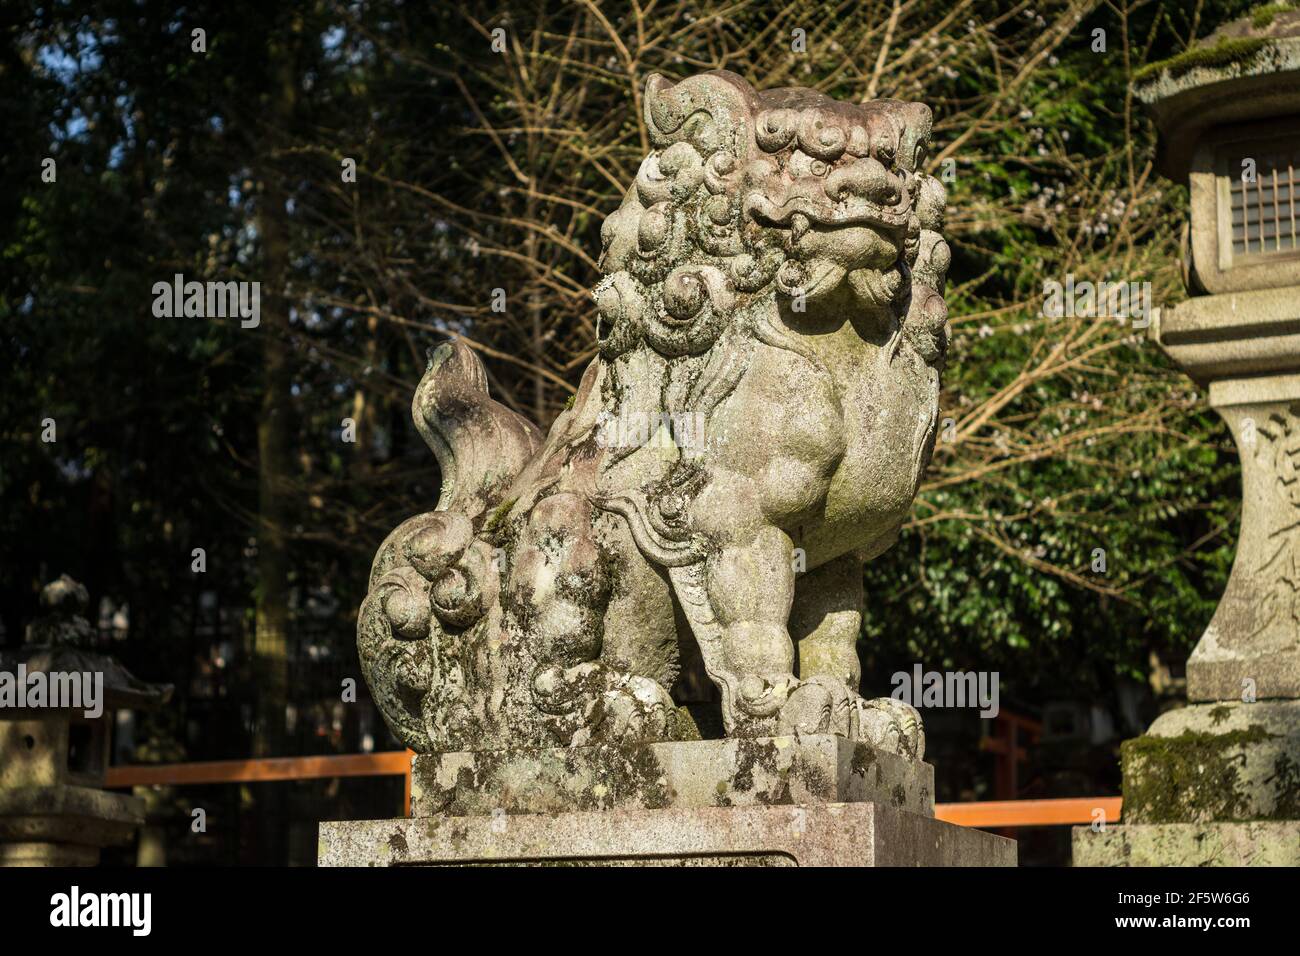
(807, 800)
(68, 814)
(1241, 72)
(1230, 341)
(1258, 843)
(836, 834)
(1216, 762)
(734, 772)
(770, 333)
(1227, 110)
(1249, 649)
(47, 854)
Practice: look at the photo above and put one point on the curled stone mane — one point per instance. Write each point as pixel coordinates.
(782, 193)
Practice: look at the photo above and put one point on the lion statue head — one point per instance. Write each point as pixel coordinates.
(782, 196)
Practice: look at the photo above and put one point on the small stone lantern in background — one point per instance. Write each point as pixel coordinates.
(57, 702)
(1218, 782)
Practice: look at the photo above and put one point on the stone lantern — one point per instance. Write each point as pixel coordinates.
(57, 702)
(1218, 782)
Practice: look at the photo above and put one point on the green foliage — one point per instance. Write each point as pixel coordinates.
(1113, 456)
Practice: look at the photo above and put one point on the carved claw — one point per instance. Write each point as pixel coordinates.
(893, 726)
(820, 705)
(639, 711)
(559, 690)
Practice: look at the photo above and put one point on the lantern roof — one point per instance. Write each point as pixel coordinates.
(1247, 70)
(57, 643)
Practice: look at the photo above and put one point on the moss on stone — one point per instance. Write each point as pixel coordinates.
(1225, 52)
(1286, 774)
(1191, 778)
(685, 726)
(498, 515)
(1219, 714)
(816, 782)
(1261, 18)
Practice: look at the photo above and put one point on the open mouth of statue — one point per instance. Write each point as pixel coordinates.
(855, 212)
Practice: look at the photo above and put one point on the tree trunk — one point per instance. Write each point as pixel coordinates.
(274, 435)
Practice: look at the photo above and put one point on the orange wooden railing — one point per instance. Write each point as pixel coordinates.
(1029, 813)
(1000, 813)
(392, 763)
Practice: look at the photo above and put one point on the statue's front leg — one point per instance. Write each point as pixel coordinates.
(750, 587)
(825, 622)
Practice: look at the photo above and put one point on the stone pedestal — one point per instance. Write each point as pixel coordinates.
(1251, 648)
(1214, 784)
(1218, 782)
(1259, 843)
(807, 801)
(64, 825)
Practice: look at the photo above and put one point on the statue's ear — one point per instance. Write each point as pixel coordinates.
(655, 86)
(724, 98)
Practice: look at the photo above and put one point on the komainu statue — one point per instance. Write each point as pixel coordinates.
(760, 410)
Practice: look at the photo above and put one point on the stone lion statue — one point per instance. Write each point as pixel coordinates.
(754, 426)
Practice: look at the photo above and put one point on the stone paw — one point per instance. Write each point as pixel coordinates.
(820, 705)
(891, 725)
(562, 690)
(637, 709)
(763, 695)
(594, 704)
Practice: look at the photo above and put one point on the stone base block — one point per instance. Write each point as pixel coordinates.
(1227, 762)
(63, 825)
(831, 834)
(1258, 843)
(47, 854)
(66, 814)
(816, 768)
